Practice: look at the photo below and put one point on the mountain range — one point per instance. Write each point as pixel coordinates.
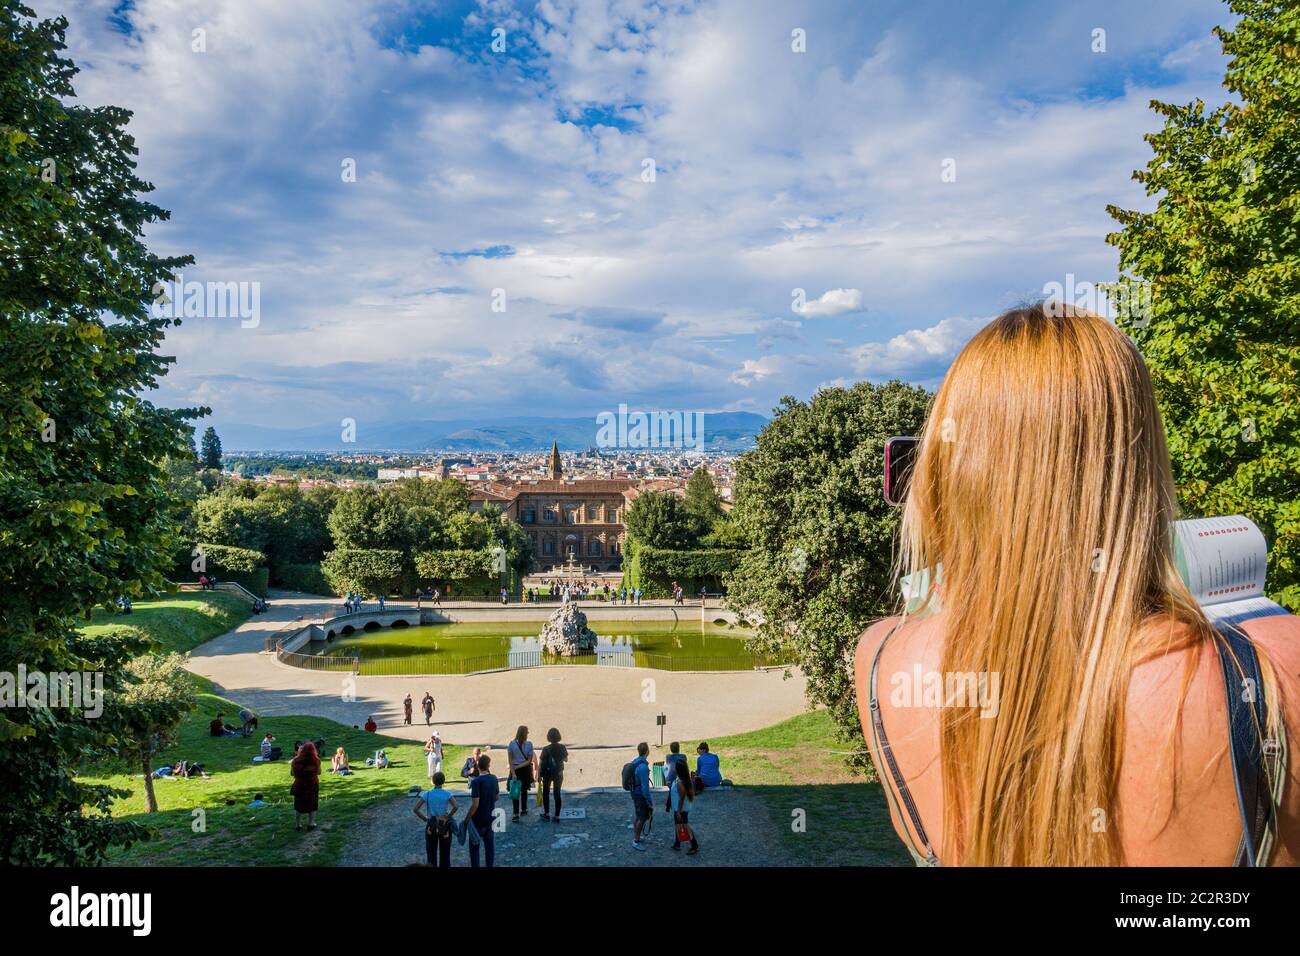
(723, 431)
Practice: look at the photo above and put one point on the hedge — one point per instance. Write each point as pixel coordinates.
(307, 578)
(654, 569)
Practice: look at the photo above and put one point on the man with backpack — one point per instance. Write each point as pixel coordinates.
(636, 780)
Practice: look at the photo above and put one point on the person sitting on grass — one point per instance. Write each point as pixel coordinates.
(269, 751)
(257, 801)
(371, 726)
(707, 771)
(339, 762)
(379, 761)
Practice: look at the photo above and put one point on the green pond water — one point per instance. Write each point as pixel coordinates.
(462, 648)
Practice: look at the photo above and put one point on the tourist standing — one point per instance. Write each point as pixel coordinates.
(638, 595)
(674, 763)
(554, 756)
(523, 768)
(406, 710)
(439, 808)
(483, 791)
(639, 785)
(381, 602)
(305, 769)
(427, 704)
(433, 754)
(681, 796)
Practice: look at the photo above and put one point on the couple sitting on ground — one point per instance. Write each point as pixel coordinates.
(708, 772)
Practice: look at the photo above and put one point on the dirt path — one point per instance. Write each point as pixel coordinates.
(733, 827)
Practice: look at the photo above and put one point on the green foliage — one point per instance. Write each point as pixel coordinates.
(289, 525)
(158, 694)
(659, 519)
(221, 559)
(299, 466)
(701, 499)
(306, 578)
(83, 494)
(1220, 260)
(454, 564)
(210, 450)
(364, 571)
(810, 500)
(657, 568)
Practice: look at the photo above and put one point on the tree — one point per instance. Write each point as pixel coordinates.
(84, 511)
(702, 499)
(365, 517)
(362, 571)
(1215, 273)
(159, 694)
(211, 451)
(810, 500)
(659, 519)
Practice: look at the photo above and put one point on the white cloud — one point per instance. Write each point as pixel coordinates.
(834, 302)
(919, 355)
(775, 171)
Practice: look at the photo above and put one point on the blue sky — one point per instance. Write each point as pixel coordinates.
(521, 170)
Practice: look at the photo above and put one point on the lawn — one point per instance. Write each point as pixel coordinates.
(799, 765)
(180, 622)
(207, 822)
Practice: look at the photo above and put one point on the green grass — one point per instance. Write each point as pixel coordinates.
(180, 622)
(234, 834)
(799, 765)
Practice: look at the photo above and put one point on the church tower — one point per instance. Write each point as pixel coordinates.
(553, 470)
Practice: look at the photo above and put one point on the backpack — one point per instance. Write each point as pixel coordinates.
(548, 763)
(629, 776)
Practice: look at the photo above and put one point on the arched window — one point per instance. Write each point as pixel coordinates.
(594, 549)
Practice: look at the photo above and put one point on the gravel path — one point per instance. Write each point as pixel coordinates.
(733, 827)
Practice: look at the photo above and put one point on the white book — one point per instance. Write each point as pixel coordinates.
(1223, 562)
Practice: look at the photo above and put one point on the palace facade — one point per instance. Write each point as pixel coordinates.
(565, 517)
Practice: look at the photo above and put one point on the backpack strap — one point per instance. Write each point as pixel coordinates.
(1257, 758)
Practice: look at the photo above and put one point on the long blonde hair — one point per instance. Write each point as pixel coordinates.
(1042, 488)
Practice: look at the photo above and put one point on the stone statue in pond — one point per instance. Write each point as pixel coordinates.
(567, 634)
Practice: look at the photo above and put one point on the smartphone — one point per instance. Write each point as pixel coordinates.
(900, 455)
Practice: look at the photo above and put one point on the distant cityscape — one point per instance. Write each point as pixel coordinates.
(571, 505)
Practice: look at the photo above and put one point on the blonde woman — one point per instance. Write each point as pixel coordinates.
(1041, 496)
